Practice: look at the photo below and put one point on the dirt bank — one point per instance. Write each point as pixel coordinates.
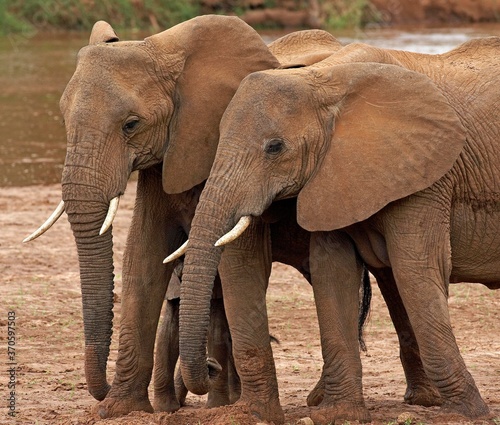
(437, 11)
(39, 282)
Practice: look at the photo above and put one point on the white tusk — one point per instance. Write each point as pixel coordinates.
(108, 221)
(176, 254)
(48, 224)
(236, 232)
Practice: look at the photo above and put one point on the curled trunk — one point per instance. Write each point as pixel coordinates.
(200, 268)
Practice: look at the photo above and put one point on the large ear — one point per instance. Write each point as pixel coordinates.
(393, 134)
(212, 54)
(303, 48)
(102, 32)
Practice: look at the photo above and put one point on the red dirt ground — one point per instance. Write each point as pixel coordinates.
(39, 281)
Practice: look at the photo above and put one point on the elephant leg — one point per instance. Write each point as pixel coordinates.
(234, 382)
(145, 280)
(290, 245)
(167, 353)
(420, 389)
(336, 279)
(317, 394)
(421, 263)
(180, 388)
(218, 341)
(245, 268)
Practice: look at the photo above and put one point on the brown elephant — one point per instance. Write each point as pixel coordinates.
(169, 389)
(393, 157)
(155, 106)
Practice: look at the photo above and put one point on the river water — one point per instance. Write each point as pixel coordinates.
(35, 70)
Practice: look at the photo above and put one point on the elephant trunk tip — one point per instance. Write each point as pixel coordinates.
(97, 384)
(201, 385)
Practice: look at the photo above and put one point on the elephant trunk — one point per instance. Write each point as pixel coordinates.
(200, 267)
(86, 212)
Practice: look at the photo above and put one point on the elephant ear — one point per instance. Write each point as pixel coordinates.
(303, 48)
(102, 32)
(208, 56)
(393, 134)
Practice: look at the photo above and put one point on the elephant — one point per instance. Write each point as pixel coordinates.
(169, 389)
(154, 106)
(391, 159)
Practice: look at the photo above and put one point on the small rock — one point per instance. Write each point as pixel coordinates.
(305, 421)
(405, 418)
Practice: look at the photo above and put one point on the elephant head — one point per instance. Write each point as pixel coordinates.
(131, 105)
(345, 138)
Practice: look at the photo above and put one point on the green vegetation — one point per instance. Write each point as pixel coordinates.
(343, 14)
(30, 15)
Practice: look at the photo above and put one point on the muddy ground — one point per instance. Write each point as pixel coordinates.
(40, 283)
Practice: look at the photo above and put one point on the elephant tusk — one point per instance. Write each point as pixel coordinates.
(176, 254)
(108, 221)
(48, 224)
(236, 232)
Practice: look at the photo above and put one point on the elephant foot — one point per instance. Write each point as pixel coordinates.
(166, 403)
(470, 408)
(217, 399)
(340, 413)
(114, 407)
(316, 395)
(423, 395)
(268, 411)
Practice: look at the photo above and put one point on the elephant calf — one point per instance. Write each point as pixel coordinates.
(169, 391)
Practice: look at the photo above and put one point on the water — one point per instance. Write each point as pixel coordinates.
(34, 72)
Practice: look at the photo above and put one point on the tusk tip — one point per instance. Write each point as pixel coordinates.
(177, 254)
(108, 221)
(236, 232)
(104, 229)
(48, 223)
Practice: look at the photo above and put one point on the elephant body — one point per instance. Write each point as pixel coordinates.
(392, 157)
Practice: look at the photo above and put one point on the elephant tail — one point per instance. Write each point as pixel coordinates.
(364, 306)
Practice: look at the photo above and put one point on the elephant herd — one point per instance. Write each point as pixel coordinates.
(336, 160)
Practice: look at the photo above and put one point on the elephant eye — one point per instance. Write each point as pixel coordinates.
(274, 147)
(130, 125)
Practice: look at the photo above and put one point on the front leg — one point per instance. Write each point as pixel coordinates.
(167, 353)
(145, 278)
(245, 269)
(337, 276)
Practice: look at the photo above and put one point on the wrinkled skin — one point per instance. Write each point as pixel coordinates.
(393, 159)
(143, 105)
(169, 389)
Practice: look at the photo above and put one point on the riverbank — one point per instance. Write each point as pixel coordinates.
(27, 16)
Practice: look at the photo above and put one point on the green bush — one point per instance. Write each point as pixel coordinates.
(342, 14)
(18, 15)
(156, 15)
